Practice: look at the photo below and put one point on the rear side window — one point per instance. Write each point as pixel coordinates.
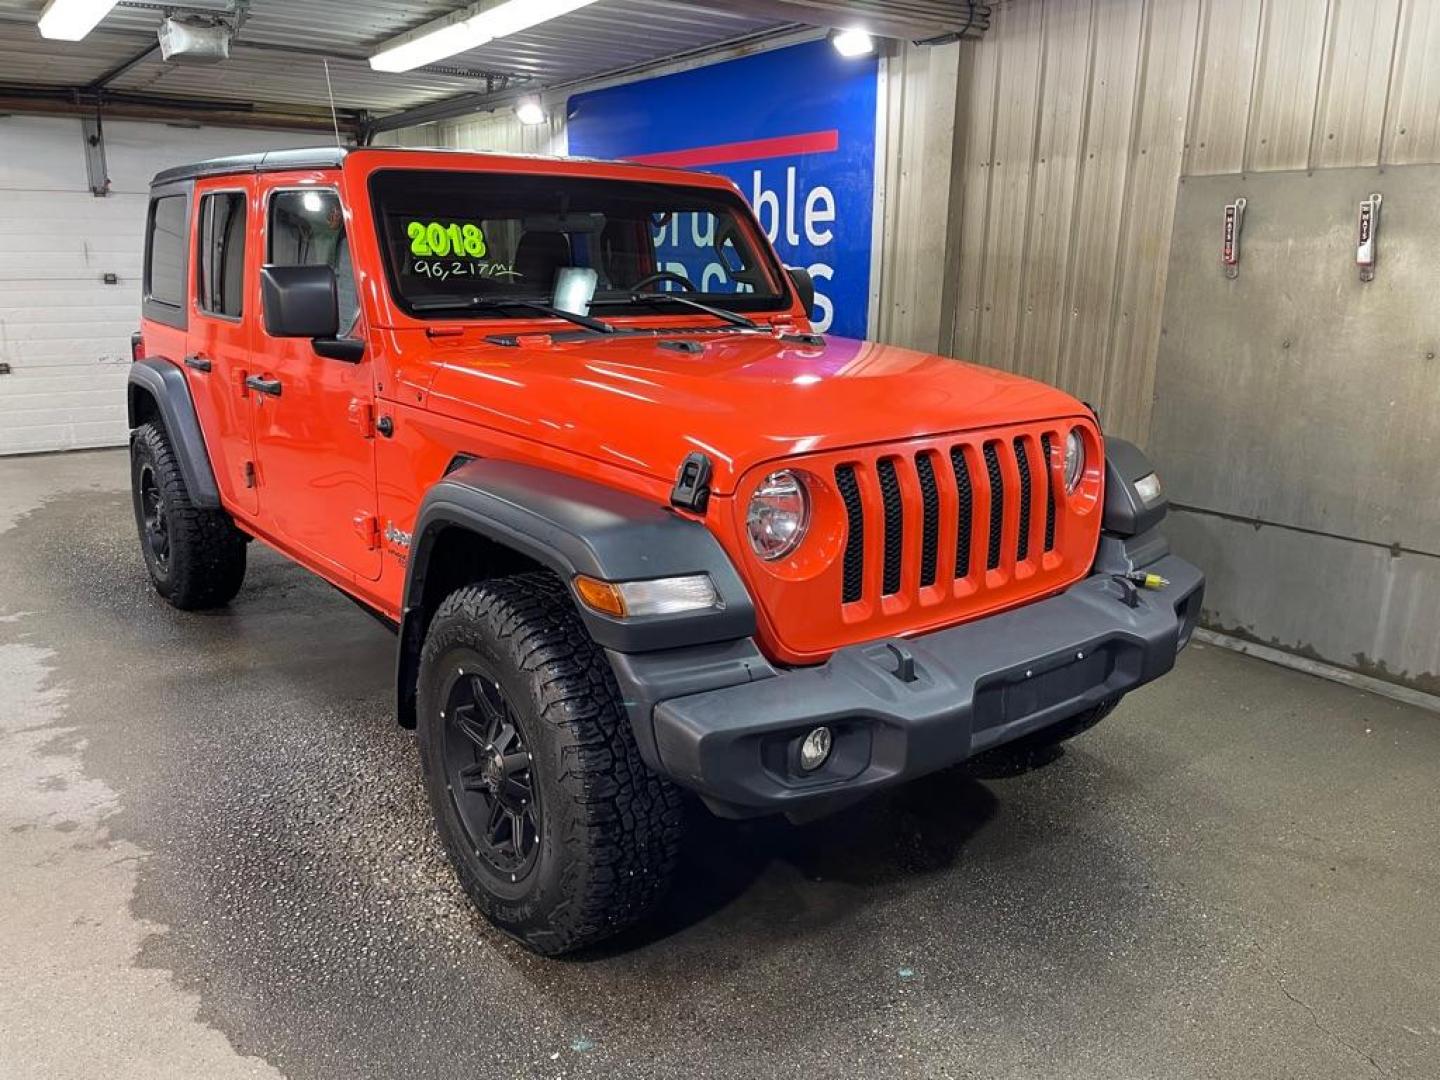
(165, 252)
(307, 228)
(219, 286)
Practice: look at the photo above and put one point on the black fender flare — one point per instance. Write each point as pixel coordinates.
(1126, 513)
(164, 383)
(572, 526)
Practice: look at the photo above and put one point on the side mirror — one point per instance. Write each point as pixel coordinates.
(304, 302)
(300, 301)
(804, 286)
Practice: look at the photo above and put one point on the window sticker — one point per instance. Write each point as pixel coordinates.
(442, 238)
(443, 248)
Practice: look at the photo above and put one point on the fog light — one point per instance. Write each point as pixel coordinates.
(815, 749)
(1148, 488)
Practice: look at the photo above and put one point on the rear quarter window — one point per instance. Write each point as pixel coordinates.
(165, 260)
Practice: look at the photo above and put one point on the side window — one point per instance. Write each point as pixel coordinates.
(219, 285)
(307, 228)
(165, 252)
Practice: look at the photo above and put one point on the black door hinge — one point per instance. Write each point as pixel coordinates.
(692, 486)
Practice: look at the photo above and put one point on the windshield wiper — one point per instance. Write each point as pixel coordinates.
(734, 318)
(473, 303)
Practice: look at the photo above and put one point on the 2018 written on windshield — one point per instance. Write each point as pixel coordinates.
(431, 238)
(446, 249)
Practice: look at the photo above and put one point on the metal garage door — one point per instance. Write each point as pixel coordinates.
(64, 329)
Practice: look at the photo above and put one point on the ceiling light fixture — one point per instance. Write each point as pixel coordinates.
(853, 43)
(71, 20)
(467, 29)
(530, 111)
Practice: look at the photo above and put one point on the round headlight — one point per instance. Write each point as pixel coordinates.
(778, 515)
(1074, 459)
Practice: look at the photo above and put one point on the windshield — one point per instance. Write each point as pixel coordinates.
(468, 235)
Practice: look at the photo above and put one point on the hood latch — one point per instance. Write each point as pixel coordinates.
(692, 485)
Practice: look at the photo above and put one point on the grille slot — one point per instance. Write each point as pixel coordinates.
(997, 504)
(965, 511)
(855, 540)
(894, 525)
(1022, 462)
(930, 520)
(1048, 473)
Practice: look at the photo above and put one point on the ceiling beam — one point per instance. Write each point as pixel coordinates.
(79, 101)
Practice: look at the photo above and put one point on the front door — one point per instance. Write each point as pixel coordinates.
(314, 432)
(217, 353)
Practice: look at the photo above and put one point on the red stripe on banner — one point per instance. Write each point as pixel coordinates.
(815, 142)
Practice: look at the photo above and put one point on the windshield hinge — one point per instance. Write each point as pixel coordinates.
(368, 526)
(362, 415)
(692, 486)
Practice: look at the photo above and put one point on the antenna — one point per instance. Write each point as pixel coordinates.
(334, 120)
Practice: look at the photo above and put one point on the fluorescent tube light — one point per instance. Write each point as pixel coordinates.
(515, 15)
(71, 20)
(466, 30)
(428, 47)
(852, 43)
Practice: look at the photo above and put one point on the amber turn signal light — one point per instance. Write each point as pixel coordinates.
(601, 596)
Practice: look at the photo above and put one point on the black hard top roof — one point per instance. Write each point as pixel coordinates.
(321, 157)
(331, 157)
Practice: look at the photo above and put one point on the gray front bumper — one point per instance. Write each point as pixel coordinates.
(900, 708)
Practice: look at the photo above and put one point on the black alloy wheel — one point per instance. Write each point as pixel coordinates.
(156, 523)
(488, 774)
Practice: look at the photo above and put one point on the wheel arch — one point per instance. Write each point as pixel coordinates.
(488, 519)
(157, 392)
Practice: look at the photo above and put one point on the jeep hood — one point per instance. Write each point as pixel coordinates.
(743, 399)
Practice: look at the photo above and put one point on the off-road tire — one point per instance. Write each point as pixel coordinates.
(204, 561)
(610, 829)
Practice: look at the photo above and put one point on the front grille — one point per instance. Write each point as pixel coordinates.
(1045, 445)
(1022, 461)
(927, 502)
(855, 522)
(894, 525)
(930, 523)
(964, 511)
(997, 504)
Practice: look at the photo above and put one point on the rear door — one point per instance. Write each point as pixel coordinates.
(224, 305)
(314, 429)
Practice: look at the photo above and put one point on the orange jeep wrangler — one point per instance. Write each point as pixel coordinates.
(565, 427)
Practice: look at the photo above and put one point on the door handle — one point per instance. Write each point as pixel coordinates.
(198, 363)
(263, 386)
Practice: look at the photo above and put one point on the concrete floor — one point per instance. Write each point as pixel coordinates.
(217, 862)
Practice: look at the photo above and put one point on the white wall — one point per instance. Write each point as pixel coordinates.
(64, 333)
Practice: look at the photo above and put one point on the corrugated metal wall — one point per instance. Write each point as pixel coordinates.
(1077, 118)
(499, 131)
